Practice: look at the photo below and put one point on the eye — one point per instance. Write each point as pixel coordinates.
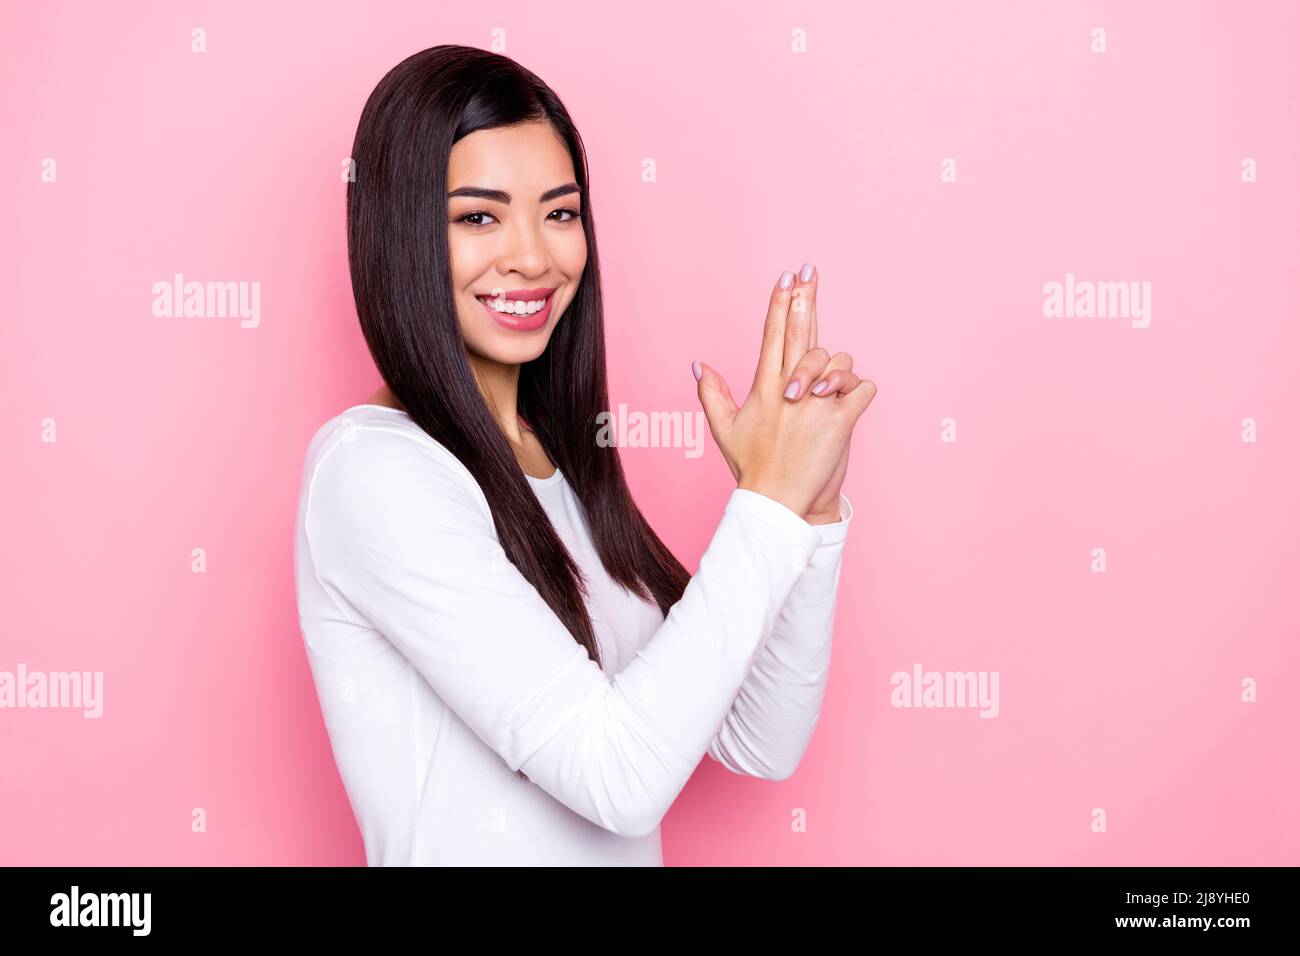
(572, 212)
(478, 212)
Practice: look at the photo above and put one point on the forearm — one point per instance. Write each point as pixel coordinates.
(771, 721)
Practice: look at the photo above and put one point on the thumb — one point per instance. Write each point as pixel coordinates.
(719, 407)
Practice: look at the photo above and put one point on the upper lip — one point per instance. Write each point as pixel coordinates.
(517, 295)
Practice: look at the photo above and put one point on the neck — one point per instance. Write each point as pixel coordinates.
(500, 387)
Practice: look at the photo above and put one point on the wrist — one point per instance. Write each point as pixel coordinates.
(767, 490)
(822, 517)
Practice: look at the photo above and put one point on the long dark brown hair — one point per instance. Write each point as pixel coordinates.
(401, 280)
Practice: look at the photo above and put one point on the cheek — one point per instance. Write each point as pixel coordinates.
(571, 254)
(468, 260)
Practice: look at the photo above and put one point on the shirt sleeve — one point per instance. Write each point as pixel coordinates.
(768, 727)
(403, 540)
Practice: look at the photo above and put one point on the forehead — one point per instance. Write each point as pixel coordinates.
(524, 160)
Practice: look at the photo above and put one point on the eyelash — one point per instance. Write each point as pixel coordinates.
(481, 212)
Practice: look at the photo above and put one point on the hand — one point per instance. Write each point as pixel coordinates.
(789, 450)
(837, 373)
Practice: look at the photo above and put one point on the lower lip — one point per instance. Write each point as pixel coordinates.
(520, 323)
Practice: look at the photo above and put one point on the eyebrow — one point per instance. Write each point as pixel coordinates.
(501, 196)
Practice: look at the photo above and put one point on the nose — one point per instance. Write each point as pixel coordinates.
(523, 248)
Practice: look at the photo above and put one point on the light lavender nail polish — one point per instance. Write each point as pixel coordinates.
(787, 279)
(806, 272)
(792, 390)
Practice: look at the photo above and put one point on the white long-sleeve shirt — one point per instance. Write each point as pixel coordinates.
(441, 671)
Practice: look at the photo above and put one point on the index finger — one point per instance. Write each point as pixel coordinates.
(801, 324)
(812, 307)
(771, 356)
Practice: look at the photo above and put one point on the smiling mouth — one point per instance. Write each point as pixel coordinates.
(516, 307)
(519, 314)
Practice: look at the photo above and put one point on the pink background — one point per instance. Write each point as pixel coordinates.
(1119, 690)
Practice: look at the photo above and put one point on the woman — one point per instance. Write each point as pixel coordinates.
(512, 667)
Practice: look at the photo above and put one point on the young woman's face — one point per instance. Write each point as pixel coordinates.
(514, 227)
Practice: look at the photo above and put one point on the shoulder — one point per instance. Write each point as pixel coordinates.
(374, 465)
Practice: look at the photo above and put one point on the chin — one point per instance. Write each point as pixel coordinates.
(514, 352)
(486, 338)
(507, 348)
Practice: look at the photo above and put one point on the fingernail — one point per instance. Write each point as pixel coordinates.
(787, 279)
(806, 272)
(820, 387)
(792, 390)
(695, 367)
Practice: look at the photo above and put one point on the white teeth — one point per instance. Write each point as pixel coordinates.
(511, 306)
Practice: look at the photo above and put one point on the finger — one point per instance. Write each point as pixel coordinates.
(715, 397)
(840, 361)
(812, 326)
(810, 367)
(803, 300)
(858, 398)
(771, 357)
(838, 382)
